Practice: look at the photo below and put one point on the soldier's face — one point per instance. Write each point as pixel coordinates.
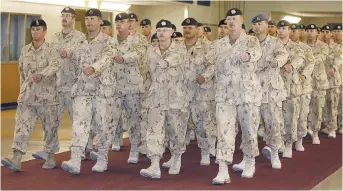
(154, 42)
(67, 19)
(223, 30)
(312, 34)
(38, 33)
(234, 22)
(272, 29)
(283, 32)
(190, 31)
(303, 33)
(260, 27)
(200, 31)
(337, 35)
(164, 34)
(326, 35)
(294, 36)
(92, 23)
(178, 40)
(132, 24)
(122, 25)
(146, 30)
(107, 30)
(208, 35)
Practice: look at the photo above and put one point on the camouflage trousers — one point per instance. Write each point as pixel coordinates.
(291, 112)
(176, 127)
(123, 125)
(272, 116)
(131, 104)
(248, 116)
(101, 113)
(26, 120)
(304, 111)
(315, 115)
(202, 114)
(330, 110)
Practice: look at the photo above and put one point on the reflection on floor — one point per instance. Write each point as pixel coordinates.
(333, 182)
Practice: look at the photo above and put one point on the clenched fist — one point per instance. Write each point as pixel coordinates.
(88, 70)
(200, 79)
(36, 78)
(63, 53)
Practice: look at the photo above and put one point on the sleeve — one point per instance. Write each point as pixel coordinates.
(139, 48)
(21, 65)
(53, 64)
(107, 57)
(298, 58)
(210, 69)
(309, 64)
(255, 52)
(322, 55)
(281, 54)
(177, 58)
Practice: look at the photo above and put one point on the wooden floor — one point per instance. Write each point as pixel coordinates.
(333, 182)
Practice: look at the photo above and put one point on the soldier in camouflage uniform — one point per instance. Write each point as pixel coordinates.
(238, 95)
(320, 82)
(106, 27)
(38, 97)
(292, 80)
(66, 42)
(95, 105)
(306, 82)
(274, 57)
(333, 65)
(167, 101)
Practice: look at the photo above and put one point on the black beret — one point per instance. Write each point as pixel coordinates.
(38, 23)
(326, 27)
(190, 22)
(93, 12)
(283, 23)
(177, 35)
(163, 24)
(145, 22)
(207, 29)
(173, 27)
(221, 22)
(200, 25)
(271, 23)
(154, 36)
(234, 12)
(133, 16)
(301, 26)
(121, 16)
(294, 26)
(106, 23)
(337, 27)
(311, 26)
(68, 10)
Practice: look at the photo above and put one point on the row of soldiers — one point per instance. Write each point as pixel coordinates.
(170, 84)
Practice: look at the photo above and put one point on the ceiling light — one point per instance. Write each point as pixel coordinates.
(292, 19)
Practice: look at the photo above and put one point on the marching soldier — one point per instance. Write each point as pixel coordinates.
(95, 106)
(303, 33)
(38, 98)
(319, 80)
(305, 72)
(333, 65)
(238, 95)
(272, 29)
(273, 90)
(167, 101)
(146, 29)
(177, 37)
(207, 33)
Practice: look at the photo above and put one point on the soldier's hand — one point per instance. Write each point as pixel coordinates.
(244, 57)
(119, 59)
(273, 64)
(200, 79)
(63, 53)
(88, 70)
(36, 78)
(302, 78)
(332, 72)
(288, 68)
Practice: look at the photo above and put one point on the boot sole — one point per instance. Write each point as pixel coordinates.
(68, 169)
(115, 150)
(10, 165)
(216, 182)
(48, 167)
(99, 171)
(173, 172)
(132, 162)
(236, 169)
(150, 176)
(205, 164)
(37, 156)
